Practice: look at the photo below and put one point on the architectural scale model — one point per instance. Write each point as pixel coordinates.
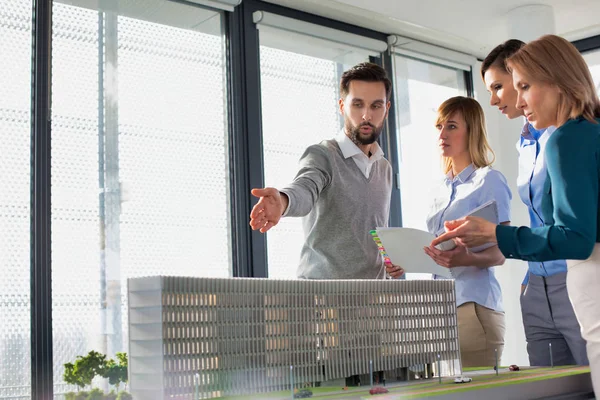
(207, 338)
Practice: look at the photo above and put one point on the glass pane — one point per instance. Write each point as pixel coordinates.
(15, 142)
(593, 60)
(420, 89)
(139, 163)
(300, 93)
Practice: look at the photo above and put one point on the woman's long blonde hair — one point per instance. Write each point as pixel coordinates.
(479, 148)
(555, 61)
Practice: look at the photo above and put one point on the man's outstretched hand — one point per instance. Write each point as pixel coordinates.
(267, 212)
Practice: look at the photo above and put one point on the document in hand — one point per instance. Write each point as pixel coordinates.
(488, 211)
(404, 246)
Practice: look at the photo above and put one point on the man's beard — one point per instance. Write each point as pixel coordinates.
(360, 139)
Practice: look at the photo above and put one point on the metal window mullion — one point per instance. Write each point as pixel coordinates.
(41, 241)
(588, 44)
(468, 78)
(389, 143)
(249, 248)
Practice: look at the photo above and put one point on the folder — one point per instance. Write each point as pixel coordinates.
(404, 246)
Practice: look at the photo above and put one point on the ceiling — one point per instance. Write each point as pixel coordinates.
(470, 26)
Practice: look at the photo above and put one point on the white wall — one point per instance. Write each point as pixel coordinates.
(503, 135)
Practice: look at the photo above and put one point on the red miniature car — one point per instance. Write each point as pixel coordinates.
(514, 368)
(378, 390)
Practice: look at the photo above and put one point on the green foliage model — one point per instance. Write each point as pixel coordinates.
(85, 368)
(116, 371)
(83, 371)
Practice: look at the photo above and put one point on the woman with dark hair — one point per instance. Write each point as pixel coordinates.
(548, 315)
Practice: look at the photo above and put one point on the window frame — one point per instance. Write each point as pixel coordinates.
(246, 160)
(587, 44)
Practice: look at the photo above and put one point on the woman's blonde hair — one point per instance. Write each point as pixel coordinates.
(555, 61)
(477, 143)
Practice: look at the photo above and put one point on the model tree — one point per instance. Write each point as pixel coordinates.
(85, 368)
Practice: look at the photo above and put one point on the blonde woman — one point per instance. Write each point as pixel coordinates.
(470, 182)
(554, 87)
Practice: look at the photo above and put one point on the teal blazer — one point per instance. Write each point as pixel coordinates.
(570, 206)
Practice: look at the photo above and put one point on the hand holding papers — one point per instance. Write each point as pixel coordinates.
(477, 229)
(403, 246)
(447, 245)
(457, 257)
(488, 211)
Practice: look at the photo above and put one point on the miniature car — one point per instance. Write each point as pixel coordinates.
(514, 368)
(378, 390)
(462, 379)
(303, 394)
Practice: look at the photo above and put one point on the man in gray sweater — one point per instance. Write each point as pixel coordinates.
(343, 187)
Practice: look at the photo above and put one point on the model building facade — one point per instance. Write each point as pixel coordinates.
(210, 337)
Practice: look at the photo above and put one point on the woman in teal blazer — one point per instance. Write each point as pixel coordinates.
(555, 88)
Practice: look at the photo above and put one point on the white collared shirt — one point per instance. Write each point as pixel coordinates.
(349, 149)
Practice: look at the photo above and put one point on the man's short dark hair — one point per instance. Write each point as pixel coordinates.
(497, 57)
(367, 72)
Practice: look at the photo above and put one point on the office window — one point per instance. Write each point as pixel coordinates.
(420, 88)
(300, 78)
(593, 60)
(15, 148)
(139, 161)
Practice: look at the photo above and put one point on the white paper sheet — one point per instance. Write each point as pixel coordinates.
(404, 246)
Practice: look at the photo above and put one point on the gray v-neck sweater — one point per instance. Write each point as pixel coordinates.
(339, 206)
